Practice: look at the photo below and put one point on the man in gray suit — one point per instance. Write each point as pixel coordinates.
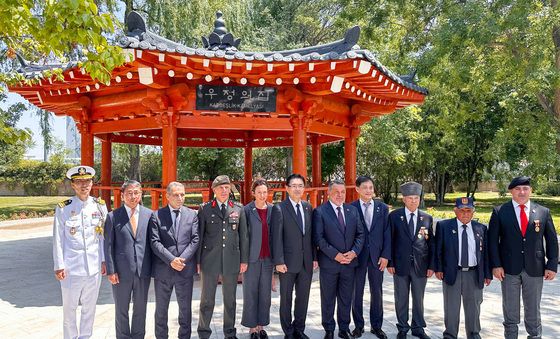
(223, 251)
(128, 260)
(174, 241)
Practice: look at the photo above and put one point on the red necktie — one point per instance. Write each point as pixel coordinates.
(523, 218)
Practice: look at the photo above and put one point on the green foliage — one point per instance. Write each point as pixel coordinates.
(549, 188)
(40, 29)
(37, 177)
(208, 163)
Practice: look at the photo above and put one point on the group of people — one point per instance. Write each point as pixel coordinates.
(348, 242)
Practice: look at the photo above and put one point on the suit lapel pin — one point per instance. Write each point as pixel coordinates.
(402, 218)
(534, 211)
(537, 225)
(453, 231)
(421, 218)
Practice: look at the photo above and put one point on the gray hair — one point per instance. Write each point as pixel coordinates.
(173, 184)
(129, 183)
(336, 182)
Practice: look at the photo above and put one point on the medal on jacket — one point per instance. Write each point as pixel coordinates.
(480, 240)
(423, 233)
(72, 230)
(537, 225)
(233, 220)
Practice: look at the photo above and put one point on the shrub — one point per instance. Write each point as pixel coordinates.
(37, 177)
(549, 188)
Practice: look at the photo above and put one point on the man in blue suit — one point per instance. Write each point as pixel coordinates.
(338, 234)
(128, 259)
(174, 241)
(373, 258)
(523, 251)
(462, 264)
(412, 259)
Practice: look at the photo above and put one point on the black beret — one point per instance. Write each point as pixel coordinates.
(519, 181)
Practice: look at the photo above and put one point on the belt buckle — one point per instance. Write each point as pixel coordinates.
(465, 269)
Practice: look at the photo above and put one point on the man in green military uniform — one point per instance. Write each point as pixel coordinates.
(223, 250)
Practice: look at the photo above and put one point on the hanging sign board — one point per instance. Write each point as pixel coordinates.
(235, 98)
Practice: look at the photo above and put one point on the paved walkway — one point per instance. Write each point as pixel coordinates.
(30, 301)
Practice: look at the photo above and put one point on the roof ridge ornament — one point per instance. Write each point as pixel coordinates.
(220, 39)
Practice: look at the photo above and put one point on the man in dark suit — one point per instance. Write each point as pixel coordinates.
(294, 255)
(523, 249)
(339, 235)
(412, 259)
(462, 264)
(174, 241)
(129, 260)
(373, 258)
(223, 251)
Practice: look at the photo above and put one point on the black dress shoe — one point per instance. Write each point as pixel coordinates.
(329, 335)
(401, 335)
(345, 334)
(379, 333)
(262, 334)
(421, 335)
(300, 335)
(232, 337)
(358, 331)
(254, 335)
(288, 336)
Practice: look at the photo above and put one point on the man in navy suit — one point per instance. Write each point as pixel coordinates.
(128, 257)
(462, 264)
(338, 234)
(412, 259)
(523, 249)
(373, 258)
(294, 255)
(174, 241)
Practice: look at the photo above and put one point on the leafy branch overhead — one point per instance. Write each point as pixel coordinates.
(57, 31)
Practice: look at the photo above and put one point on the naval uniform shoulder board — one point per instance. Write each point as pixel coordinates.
(205, 204)
(238, 204)
(64, 203)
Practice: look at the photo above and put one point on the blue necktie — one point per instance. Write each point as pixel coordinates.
(340, 217)
(464, 248)
(299, 219)
(411, 225)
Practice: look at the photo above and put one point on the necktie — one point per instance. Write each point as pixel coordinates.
(340, 217)
(176, 223)
(133, 221)
(367, 214)
(299, 219)
(224, 210)
(464, 248)
(523, 218)
(411, 225)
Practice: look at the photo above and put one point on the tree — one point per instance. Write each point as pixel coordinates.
(13, 141)
(43, 30)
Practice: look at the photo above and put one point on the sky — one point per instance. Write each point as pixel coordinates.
(29, 120)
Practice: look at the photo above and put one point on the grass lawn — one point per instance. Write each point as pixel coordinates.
(484, 203)
(27, 207)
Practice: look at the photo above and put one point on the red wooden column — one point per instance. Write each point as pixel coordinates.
(248, 173)
(350, 162)
(316, 161)
(169, 148)
(106, 162)
(299, 153)
(86, 149)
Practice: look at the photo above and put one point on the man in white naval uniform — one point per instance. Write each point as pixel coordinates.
(78, 251)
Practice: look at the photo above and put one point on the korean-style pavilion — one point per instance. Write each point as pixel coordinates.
(171, 95)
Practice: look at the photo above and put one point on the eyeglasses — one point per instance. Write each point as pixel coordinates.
(133, 193)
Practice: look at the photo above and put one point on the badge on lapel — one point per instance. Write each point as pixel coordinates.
(537, 225)
(72, 230)
(479, 240)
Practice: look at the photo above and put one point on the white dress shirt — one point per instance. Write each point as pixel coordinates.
(472, 243)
